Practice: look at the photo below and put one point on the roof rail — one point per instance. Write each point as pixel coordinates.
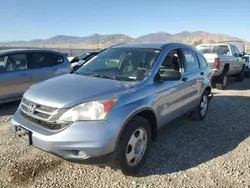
(116, 45)
(231, 41)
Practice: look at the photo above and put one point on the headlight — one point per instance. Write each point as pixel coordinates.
(94, 110)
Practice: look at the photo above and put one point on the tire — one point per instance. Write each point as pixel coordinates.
(222, 82)
(200, 113)
(137, 127)
(247, 73)
(240, 75)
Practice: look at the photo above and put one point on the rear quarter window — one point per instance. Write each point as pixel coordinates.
(202, 61)
(44, 59)
(218, 49)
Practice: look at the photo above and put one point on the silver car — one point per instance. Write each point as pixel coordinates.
(109, 110)
(20, 69)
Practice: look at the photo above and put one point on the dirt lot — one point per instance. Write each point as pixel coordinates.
(212, 153)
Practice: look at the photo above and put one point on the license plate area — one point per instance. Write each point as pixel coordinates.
(24, 135)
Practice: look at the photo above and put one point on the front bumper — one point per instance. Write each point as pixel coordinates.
(89, 142)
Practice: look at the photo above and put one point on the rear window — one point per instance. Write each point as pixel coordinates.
(218, 49)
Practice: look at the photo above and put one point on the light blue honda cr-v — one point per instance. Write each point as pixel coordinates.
(109, 110)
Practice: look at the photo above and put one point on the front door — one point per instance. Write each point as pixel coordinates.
(238, 61)
(170, 96)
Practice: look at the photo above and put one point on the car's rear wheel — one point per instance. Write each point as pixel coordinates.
(222, 82)
(201, 110)
(133, 146)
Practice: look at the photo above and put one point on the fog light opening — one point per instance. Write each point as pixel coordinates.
(81, 154)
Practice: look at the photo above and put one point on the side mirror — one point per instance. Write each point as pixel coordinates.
(236, 55)
(169, 75)
(74, 66)
(242, 54)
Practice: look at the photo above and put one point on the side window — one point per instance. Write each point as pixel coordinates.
(41, 59)
(190, 60)
(233, 50)
(202, 60)
(236, 50)
(171, 62)
(13, 62)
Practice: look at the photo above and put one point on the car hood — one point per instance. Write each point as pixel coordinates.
(69, 90)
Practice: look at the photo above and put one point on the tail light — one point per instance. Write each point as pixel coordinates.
(217, 62)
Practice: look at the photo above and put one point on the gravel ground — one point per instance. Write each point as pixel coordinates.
(212, 153)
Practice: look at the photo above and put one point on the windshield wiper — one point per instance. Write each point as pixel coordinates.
(104, 76)
(120, 78)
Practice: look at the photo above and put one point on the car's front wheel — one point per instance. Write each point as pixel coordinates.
(247, 72)
(133, 146)
(241, 75)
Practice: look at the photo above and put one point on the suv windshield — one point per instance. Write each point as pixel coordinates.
(218, 49)
(128, 64)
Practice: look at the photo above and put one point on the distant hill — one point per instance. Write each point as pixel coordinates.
(90, 42)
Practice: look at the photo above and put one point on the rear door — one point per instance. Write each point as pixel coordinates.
(15, 78)
(46, 65)
(192, 77)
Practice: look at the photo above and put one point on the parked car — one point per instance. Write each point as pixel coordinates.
(20, 69)
(247, 65)
(84, 57)
(225, 60)
(121, 98)
(242, 49)
(79, 60)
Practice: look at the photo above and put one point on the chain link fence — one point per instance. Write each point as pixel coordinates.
(70, 51)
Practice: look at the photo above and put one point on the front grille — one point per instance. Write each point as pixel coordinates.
(43, 116)
(41, 112)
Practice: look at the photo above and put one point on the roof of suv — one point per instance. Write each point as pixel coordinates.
(151, 45)
(213, 44)
(7, 51)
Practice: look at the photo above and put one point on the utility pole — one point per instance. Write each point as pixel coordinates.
(96, 41)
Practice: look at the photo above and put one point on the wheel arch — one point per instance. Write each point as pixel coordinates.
(226, 68)
(208, 89)
(147, 113)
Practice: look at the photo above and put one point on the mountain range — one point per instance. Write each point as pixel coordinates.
(102, 41)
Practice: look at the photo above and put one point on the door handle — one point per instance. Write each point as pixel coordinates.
(55, 70)
(202, 73)
(184, 79)
(24, 74)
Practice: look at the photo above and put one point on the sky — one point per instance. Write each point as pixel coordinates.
(41, 19)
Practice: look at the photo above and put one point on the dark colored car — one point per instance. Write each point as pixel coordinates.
(84, 57)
